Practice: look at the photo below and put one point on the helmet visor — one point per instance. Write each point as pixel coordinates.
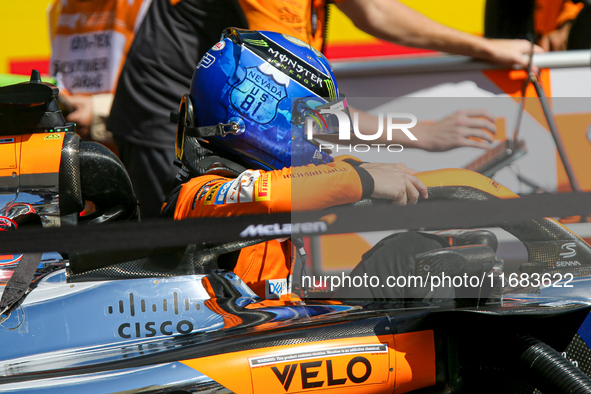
(319, 116)
(186, 118)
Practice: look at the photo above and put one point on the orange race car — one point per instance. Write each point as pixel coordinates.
(166, 319)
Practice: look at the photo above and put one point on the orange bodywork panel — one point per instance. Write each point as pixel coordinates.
(9, 146)
(450, 177)
(415, 361)
(375, 364)
(30, 154)
(41, 153)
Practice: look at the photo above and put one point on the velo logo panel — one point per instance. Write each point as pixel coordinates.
(326, 368)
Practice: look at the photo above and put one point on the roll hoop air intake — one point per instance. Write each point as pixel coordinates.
(106, 183)
(87, 171)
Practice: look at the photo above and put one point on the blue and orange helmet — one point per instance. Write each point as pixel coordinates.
(252, 95)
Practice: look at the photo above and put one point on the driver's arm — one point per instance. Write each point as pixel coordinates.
(295, 189)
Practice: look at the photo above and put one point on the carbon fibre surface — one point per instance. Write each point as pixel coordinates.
(70, 188)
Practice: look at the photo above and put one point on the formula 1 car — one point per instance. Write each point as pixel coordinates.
(169, 321)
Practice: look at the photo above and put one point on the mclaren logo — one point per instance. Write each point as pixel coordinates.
(284, 229)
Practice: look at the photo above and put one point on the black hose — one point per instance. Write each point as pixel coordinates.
(550, 371)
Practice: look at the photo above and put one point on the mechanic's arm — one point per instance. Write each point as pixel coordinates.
(393, 21)
(466, 127)
(556, 40)
(87, 111)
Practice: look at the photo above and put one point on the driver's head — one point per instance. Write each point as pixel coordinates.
(262, 86)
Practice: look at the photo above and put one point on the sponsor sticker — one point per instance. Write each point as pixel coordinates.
(321, 368)
(210, 196)
(221, 196)
(570, 250)
(200, 194)
(206, 61)
(247, 187)
(275, 288)
(278, 229)
(219, 46)
(150, 317)
(263, 188)
(232, 197)
(52, 137)
(296, 68)
(259, 43)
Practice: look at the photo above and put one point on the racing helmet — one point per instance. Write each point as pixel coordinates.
(253, 98)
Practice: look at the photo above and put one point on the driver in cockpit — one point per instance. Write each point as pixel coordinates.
(251, 98)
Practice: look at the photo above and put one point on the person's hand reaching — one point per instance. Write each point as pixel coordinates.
(472, 127)
(81, 115)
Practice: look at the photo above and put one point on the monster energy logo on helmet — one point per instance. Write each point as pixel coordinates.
(292, 65)
(260, 43)
(332, 93)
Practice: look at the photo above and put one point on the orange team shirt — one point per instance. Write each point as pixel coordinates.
(303, 19)
(89, 41)
(549, 15)
(257, 192)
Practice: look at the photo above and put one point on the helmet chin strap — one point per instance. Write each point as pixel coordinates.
(221, 129)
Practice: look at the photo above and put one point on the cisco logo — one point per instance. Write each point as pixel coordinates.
(149, 329)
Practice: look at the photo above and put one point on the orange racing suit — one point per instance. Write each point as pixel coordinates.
(303, 19)
(302, 188)
(550, 15)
